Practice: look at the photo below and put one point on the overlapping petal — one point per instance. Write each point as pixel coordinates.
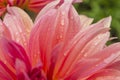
(20, 23)
(61, 45)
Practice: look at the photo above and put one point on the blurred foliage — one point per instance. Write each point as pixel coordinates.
(99, 9)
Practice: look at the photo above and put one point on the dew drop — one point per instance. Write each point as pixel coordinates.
(62, 22)
(5, 62)
(96, 43)
(85, 55)
(25, 43)
(17, 39)
(16, 33)
(99, 37)
(61, 36)
(65, 54)
(63, 13)
(28, 30)
(71, 17)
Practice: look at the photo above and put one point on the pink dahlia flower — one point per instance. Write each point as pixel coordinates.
(60, 45)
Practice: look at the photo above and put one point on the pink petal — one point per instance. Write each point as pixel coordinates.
(103, 59)
(106, 74)
(51, 5)
(5, 72)
(85, 21)
(73, 50)
(19, 24)
(4, 31)
(114, 65)
(54, 34)
(74, 24)
(42, 35)
(11, 51)
(20, 66)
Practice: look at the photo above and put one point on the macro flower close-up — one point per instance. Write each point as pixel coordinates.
(59, 44)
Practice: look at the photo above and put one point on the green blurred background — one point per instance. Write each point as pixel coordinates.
(99, 9)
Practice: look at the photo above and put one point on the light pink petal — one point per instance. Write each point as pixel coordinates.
(42, 35)
(85, 21)
(73, 50)
(51, 29)
(19, 24)
(103, 59)
(4, 31)
(114, 65)
(21, 68)
(95, 45)
(74, 24)
(49, 6)
(98, 43)
(106, 74)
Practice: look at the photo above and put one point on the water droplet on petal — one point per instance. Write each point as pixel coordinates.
(63, 13)
(62, 22)
(65, 54)
(16, 33)
(71, 17)
(18, 39)
(85, 55)
(61, 36)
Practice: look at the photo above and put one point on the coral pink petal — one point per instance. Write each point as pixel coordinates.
(4, 31)
(85, 21)
(115, 65)
(74, 24)
(73, 50)
(106, 74)
(43, 32)
(103, 59)
(51, 35)
(49, 6)
(95, 45)
(19, 24)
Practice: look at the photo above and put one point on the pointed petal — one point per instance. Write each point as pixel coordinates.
(42, 35)
(19, 24)
(103, 59)
(95, 45)
(106, 74)
(58, 19)
(11, 51)
(73, 50)
(85, 21)
(51, 5)
(74, 24)
(4, 31)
